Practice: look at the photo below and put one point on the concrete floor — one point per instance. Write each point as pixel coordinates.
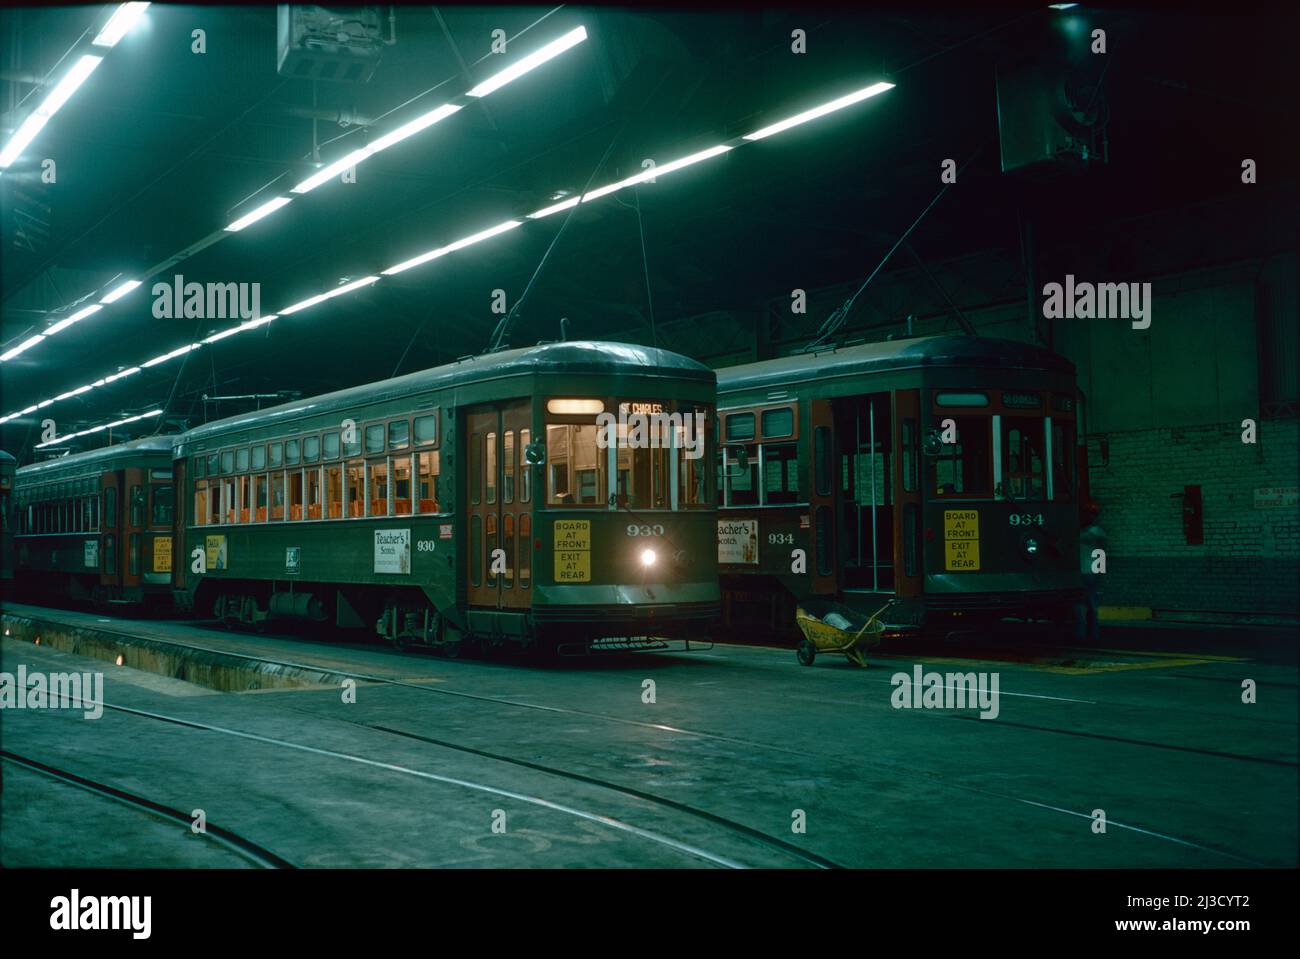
(738, 741)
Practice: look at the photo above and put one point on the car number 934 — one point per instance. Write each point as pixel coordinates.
(1026, 519)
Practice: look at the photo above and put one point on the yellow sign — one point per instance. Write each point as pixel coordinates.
(162, 554)
(215, 546)
(962, 555)
(572, 549)
(961, 540)
(573, 534)
(573, 566)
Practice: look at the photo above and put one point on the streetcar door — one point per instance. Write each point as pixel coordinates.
(907, 488)
(499, 507)
(110, 521)
(134, 506)
(821, 497)
(863, 431)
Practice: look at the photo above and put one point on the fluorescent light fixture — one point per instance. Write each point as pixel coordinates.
(172, 355)
(121, 376)
(75, 317)
(231, 331)
(653, 172)
(222, 335)
(555, 208)
(266, 209)
(452, 247)
(383, 143)
(530, 62)
(322, 297)
(1062, 6)
(22, 347)
(25, 134)
(329, 172)
(58, 96)
(30, 409)
(821, 111)
(412, 128)
(121, 291)
(69, 84)
(43, 403)
(120, 23)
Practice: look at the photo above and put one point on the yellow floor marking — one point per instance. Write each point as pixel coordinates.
(1136, 652)
(1117, 667)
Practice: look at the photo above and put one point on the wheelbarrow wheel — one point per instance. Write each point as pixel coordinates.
(806, 653)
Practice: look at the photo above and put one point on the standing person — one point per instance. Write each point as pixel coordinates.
(1091, 537)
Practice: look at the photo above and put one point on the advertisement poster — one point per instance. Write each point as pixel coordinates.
(393, 551)
(215, 546)
(738, 541)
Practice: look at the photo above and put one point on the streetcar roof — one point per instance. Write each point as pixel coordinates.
(144, 445)
(891, 355)
(570, 358)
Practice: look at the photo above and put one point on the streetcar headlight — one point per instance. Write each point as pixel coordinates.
(648, 557)
(1031, 546)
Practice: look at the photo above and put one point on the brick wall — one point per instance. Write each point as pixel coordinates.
(1250, 560)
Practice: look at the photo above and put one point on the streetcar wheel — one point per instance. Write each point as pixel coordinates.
(806, 653)
(451, 650)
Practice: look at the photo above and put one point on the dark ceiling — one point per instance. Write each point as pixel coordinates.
(162, 145)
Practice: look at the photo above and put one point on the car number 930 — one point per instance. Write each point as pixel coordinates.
(635, 530)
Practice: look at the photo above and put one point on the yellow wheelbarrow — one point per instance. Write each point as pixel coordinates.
(831, 627)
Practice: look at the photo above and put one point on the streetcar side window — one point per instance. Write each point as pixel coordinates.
(401, 469)
(377, 479)
(277, 495)
(780, 472)
(355, 478)
(428, 464)
(334, 488)
(293, 480)
(426, 430)
(315, 496)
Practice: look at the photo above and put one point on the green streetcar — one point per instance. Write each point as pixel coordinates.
(931, 479)
(98, 526)
(8, 516)
(478, 501)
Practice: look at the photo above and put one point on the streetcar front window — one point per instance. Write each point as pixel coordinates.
(962, 466)
(632, 454)
(1024, 473)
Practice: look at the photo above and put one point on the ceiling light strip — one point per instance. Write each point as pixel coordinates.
(643, 176)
